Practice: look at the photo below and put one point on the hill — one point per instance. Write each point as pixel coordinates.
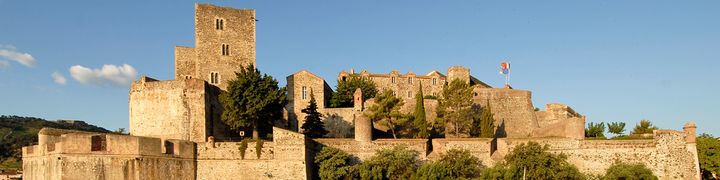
(17, 131)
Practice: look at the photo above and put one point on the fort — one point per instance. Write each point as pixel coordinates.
(176, 131)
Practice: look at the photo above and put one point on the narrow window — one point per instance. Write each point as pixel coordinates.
(98, 143)
(304, 92)
(225, 50)
(434, 81)
(222, 24)
(410, 80)
(214, 77)
(169, 147)
(392, 79)
(219, 24)
(409, 94)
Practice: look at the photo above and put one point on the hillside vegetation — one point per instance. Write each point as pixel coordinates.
(16, 132)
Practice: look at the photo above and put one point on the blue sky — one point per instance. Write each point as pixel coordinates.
(609, 60)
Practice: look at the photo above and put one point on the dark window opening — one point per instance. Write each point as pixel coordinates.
(169, 147)
(219, 24)
(225, 50)
(99, 143)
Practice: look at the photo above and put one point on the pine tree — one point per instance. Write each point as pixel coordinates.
(313, 126)
(386, 111)
(487, 127)
(419, 121)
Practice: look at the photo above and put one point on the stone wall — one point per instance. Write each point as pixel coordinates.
(176, 109)
(284, 158)
(365, 150)
(83, 155)
(238, 32)
(512, 109)
(307, 83)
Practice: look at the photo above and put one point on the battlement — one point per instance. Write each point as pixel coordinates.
(65, 142)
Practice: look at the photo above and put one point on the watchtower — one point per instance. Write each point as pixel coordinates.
(224, 43)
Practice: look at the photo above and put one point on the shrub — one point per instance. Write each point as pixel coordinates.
(452, 165)
(243, 147)
(628, 172)
(334, 164)
(533, 161)
(258, 148)
(395, 163)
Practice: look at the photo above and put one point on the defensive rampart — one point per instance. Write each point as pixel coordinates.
(79, 155)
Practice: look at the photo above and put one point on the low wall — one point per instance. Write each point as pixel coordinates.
(365, 150)
(284, 158)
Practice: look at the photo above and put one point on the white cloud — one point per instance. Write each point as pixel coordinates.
(108, 75)
(59, 78)
(4, 64)
(10, 52)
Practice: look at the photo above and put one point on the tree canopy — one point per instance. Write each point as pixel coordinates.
(334, 164)
(454, 108)
(533, 161)
(386, 111)
(595, 130)
(629, 172)
(313, 126)
(345, 89)
(708, 148)
(644, 127)
(617, 128)
(395, 163)
(252, 101)
(454, 164)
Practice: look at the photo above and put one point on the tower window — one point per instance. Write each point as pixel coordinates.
(410, 80)
(304, 92)
(225, 50)
(214, 77)
(409, 94)
(219, 24)
(392, 79)
(434, 81)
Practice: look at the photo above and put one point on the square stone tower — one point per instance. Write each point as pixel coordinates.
(224, 43)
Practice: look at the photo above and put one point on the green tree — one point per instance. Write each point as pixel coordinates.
(395, 163)
(386, 111)
(595, 130)
(252, 100)
(313, 126)
(644, 127)
(454, 164)
(419, 121)
(345, 89)
(534, 162)
(120, 131)
(334, 164)
(708, 148)
(487, 127)
(628, 172)
(617, 128)
(454, 107)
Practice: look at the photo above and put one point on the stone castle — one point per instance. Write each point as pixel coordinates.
(176, 131)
